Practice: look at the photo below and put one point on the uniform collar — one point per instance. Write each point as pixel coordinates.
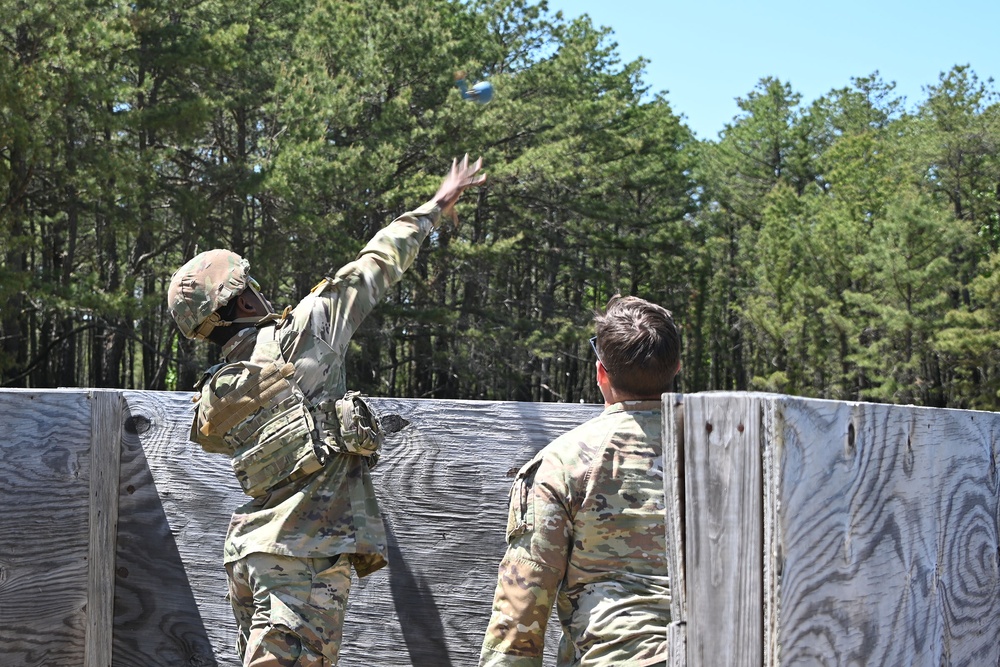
(635, 406)
(241, 345)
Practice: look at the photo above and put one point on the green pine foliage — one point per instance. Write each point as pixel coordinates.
(845, 247)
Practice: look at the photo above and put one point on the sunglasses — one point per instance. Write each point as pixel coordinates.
(593, 346)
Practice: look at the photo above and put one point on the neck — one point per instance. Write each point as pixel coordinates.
(612, 396)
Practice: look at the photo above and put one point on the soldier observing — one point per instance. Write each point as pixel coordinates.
(585, 525)
(301, 445)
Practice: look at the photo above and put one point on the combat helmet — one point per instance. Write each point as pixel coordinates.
(204, 284)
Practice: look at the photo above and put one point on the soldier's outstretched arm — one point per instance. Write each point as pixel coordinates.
(361, 284)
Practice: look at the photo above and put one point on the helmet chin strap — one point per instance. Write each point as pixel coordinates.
(214, 320)
(257, 321)
(245, 320)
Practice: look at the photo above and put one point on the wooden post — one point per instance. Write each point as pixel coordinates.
(723, 528)
(105, 456)
(673, 487)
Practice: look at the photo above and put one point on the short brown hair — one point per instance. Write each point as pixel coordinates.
(639, 345)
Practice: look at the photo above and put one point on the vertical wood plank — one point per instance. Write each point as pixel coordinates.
(105, 455)
(673, 488)
(773, 556)
(723, 555)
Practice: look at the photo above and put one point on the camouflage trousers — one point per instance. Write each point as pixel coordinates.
(290, 611)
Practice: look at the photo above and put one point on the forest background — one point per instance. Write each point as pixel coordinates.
(846, 247)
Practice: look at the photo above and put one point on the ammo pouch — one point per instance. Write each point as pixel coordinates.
(272, 434)
(286, 449)
(266, 426)
(284, 452)
(349, 425)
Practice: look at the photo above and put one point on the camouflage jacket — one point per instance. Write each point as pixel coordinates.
(334, 510)
(585, 530)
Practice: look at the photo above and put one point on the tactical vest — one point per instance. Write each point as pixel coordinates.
(273, 434)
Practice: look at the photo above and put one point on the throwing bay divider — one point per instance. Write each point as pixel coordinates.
(802, 532)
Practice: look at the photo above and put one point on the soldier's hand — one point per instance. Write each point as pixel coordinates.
(462, 176)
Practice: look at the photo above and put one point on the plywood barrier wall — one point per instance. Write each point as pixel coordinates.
(831, 533)
(805, 532)
(98, 568)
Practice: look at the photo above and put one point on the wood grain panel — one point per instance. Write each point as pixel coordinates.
(442, 483)
(175, 504)
(888, 523)
(443, 486)
(44, 504)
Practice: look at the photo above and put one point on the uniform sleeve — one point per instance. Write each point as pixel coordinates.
(539, 535)
(352, 294)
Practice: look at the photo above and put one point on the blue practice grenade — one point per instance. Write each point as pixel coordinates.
(481, 92)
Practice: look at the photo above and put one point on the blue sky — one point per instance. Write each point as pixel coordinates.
(706, 53)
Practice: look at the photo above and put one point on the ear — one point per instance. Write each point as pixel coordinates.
(247, 305)
(602, 372)
(604, 383)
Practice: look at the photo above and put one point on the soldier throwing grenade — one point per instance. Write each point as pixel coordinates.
(301, 446)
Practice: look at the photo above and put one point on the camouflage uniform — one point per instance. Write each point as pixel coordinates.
(585, 530)
(288, 586)
(289, 609)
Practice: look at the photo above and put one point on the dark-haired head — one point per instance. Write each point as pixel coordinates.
(639, 346)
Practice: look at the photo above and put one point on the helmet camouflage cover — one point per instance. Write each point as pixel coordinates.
(203, 285)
